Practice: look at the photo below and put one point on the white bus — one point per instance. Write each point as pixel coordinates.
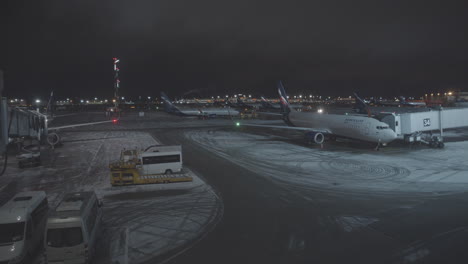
(161, 159)
(22, 225)
(72, 230)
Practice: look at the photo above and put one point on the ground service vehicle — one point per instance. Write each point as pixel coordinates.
(22, 225)
(156, 164)
(73, 228)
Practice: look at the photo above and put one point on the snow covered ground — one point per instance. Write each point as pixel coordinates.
(422, 172)
(157, 218)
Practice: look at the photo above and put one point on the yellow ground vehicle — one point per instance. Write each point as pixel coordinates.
(156, 164)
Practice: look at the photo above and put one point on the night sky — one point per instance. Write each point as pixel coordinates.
(214, 47)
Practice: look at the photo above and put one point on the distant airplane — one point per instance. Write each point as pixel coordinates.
(268, 105)
(411, 103)
(170, 108)
(318, 125)
(402, 102)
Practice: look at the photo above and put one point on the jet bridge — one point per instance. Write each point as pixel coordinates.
(416, 126)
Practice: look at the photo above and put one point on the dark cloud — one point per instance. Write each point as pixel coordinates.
(330, 47)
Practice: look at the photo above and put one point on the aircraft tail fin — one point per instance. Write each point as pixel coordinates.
(283, 98)
(402, 99)
(360, 106)
(49, 104)
(266, 104)
(169, 107)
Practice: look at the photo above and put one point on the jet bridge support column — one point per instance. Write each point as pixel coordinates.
(440, 124)
(3, 125)
(3, 119)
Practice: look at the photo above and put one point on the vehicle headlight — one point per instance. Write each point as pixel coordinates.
(17, 258)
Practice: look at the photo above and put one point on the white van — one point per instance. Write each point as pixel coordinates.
(161, 159)
(22, 225)
(73, 228)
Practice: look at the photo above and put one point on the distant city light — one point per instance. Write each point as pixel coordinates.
(81, 101)
(38, 101)
(449, 93)
(149, 97)
(320, 110)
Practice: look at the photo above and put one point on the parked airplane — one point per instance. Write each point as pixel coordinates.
(319, 125)
(402, 102)
(170, 108)
(268, 105)
(411, 103)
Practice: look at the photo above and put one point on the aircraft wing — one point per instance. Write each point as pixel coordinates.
(57, 116)
(78, 125)
(321, 130)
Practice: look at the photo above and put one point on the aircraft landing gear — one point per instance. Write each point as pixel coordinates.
(378, 146)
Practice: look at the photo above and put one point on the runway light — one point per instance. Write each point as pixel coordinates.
(114, 121)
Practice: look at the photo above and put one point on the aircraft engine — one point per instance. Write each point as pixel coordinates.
(316, 137)
(53, 139)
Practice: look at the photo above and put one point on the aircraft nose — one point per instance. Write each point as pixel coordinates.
(391, 135)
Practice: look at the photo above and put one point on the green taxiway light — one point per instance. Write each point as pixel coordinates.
(237, 124)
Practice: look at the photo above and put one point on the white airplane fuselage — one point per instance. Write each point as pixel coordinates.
(350, 126)
(220, 112)
(208, 112)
